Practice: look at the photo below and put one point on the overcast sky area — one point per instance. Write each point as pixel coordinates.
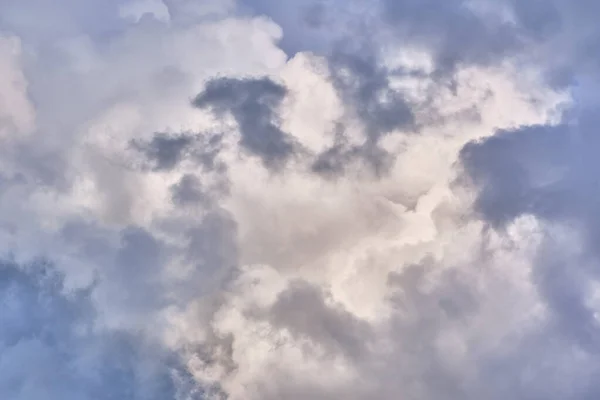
(303, 199)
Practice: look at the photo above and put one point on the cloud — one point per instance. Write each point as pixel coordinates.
(311, 199)
(544, 170)
(302, 310)
(166, 152)
(188, 191)
(252, 104)
(453, 29)
(51, 347)
(380, 107)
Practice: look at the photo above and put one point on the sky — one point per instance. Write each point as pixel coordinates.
(303, 199)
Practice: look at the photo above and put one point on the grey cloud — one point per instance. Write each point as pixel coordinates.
(130, 266)
(212, 248)
(207, 155)
(208, 248)
(555, 359)
(364, 85)
(302, 309)
(544, 170)
(539, 18)
(510, 167)
(165, 151)
(125, 267)
(51, 349)
(332, 162)
(50, 345)
(253, 103)
(457, 34)
(38, 166)
(314, 15)
(304, 22)
(450, 28)
(189, 191)
(90, 240)
(335, 161)
(562, 285)
(135, 278)
(416, 364)
(548, 171)
(49, 23)
(454, 299)
(365, 89)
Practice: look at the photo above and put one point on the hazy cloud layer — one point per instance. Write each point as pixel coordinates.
(322, 199)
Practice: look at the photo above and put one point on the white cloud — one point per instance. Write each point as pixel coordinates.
(18, 115)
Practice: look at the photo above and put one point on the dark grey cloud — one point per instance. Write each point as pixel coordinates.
(333, 161)
(457, 31)
(543, 170)
(364, 85)
(165, 151)
(207, 153)
(253, 103)
(510, 170)
(336, 160)
(460, 35)
(51, 349)
(550, 172)
(452, 30)
(547, 171)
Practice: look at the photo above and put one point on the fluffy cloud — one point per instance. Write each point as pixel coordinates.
(302, 200)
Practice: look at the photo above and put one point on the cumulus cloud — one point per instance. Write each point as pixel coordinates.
(258, 199)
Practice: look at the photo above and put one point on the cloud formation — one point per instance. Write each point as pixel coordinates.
(253, 105)
(299, 200)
